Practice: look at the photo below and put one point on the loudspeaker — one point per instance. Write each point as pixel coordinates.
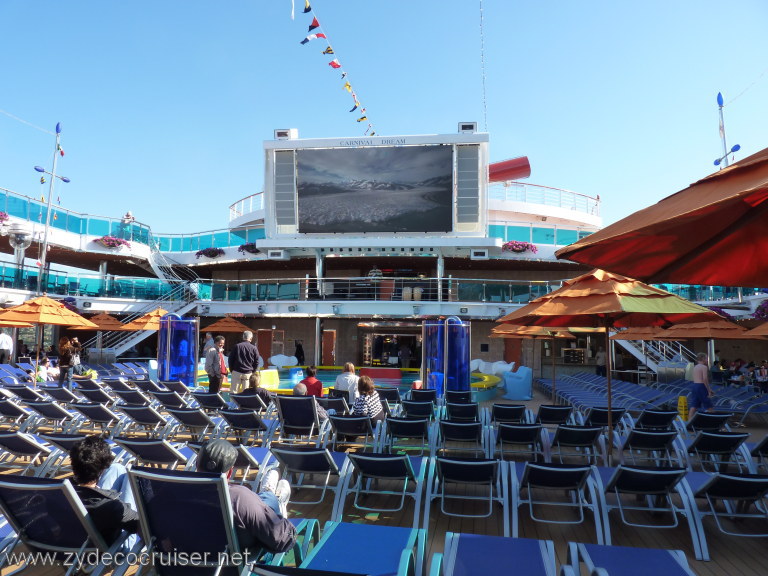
(467, 127)
(478, 254)
(286, 133)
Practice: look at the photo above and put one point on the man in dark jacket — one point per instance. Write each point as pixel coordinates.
(259, 518)
(243, 360)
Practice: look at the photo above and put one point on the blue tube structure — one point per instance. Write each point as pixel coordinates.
(177, 350)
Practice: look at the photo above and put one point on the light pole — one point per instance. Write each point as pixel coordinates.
(735, 147)
(53, 175)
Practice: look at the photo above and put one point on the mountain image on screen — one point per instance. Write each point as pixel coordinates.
(387, 189)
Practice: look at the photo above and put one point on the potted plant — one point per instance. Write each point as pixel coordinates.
(519, 247)
(210, 252)
(249, 247)
(109, 241)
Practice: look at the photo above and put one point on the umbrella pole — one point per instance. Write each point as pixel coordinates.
(554, 383)
(608, 368)
(39, 339)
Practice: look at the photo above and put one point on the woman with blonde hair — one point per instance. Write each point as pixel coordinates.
(347, 381)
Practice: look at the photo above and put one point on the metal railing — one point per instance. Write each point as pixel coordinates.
(545, 195)
(246, 205)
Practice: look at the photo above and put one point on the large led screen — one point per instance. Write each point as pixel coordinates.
(403, 189)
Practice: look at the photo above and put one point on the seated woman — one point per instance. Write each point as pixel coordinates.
(45, 372)
(347, 382)
(368, 403)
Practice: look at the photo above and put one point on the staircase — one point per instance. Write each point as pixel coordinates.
(180, 300)
(651, 353)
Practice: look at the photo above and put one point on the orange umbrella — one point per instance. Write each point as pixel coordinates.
(602, 299)
(720, 329)
(648, 333)
(11, 324)
(227, 325)
(761, 330)
(45, 310)
(104, 322)
(713, 233)
(150, 321)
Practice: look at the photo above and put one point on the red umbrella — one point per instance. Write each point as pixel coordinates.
(715, 232)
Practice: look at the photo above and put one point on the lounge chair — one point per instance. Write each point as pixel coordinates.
(299, 420)
(48, 516)
(407, 434)
(475, 554)
(21, 450)
(248, 426)
(349, 430)
(585, 443)
(529, 441)
(651, 448)
(155, 452)
(714, 450)
(625, 561)
(462, 438)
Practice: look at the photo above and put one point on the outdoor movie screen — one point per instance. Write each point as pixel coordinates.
(388, 189)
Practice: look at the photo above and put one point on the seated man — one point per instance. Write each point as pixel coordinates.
(103, 488)
(260, 519)
(301, 390)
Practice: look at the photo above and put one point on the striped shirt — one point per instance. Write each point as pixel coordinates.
(367, 405)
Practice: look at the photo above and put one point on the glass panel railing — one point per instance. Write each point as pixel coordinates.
(565, 237)
(543, 235)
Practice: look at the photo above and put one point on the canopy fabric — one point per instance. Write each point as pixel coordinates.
(717, 329)
(11, 324)
(104, 322)
(226, 325)
(512, 331)
(761, 330)
(647, 333)
(45, 310)
(150, 321)
(603, 299)
(714, 233)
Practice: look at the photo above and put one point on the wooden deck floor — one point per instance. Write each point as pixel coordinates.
(730, 555)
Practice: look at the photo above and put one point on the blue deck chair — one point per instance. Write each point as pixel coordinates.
(462, 438)
(368, 476)
(715, 450)
(248, 457)
(625, 561)
(176, 386)
(210, 402)
(169, 399)
(25, 393)
(115, 384)
(554, 415)
(529, 441)
(13, 416)
(738, 503)
(598, 416)
(350, 430)
(397, 551)
(196, 423)
(457, 396)
(97, 396)
(510, 414)
(300, 463)
(49, 413)
(61, 445)
(391, 395)
(155, 452)
(339, 404)
(759, 453)
(463, 412)
(248, 426)
(133, 397)
(477, 555)
(299, 421)
(481, 473)
(148, 386)
(417, 409)
(585, 443)
(650, 448)
(48, 516)
(555, 486)
(406, 434)
(185, 513)
(63, 396)
(704, 422)
(648, 497)
(21, 450)
(147, 420)
(428, 395)
(246, 401)
(99, 416)
(656, 420)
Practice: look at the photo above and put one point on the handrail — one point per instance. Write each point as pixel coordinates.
(547, 195)
(246, 205)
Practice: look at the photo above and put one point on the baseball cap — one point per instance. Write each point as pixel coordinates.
(216, 456)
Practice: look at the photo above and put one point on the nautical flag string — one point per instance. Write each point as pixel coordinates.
(314, 32)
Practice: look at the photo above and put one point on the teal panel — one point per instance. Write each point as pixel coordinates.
(565, 237)
(98, 227)
(186, 244)
(75, 224)
(543, 235)
(221, 240)
(496, 231)
(256, 234)
(583, 234)
(176, 244)
(288, 291)
(18, 207)
(58, 219)
(164, 243)
(521, 233)
(470, 292)
(238, 237)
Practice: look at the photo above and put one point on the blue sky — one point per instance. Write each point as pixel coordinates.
(164, 105)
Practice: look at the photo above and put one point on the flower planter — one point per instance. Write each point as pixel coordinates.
(518, 247)
(250, 248)
(209, 253)
(112, 242)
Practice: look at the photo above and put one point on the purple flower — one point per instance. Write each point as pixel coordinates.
(210, 252)
(518, 246)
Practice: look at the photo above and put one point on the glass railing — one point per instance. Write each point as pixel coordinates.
(246, 205)
(536, 233)
(211, 239)
(537, 194)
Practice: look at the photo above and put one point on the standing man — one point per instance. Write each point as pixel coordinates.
(600, 362)
(701, 395)
(6, 347)
(215, 366)
(208, 344)
(243, 360)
